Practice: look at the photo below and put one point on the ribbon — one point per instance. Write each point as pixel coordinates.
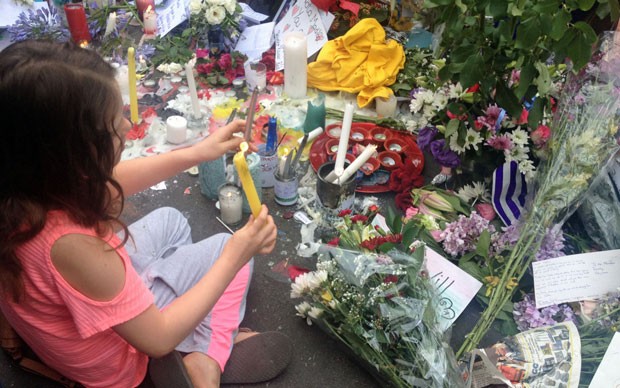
(509, 192)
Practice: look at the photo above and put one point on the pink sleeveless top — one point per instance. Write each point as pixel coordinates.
(70, 332)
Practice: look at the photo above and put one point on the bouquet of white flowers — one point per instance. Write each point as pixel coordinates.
(206, 15)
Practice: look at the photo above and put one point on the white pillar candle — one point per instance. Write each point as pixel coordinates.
(191, 84)
(176, 129)
(343, 144)
(386, 106)
(150, 21)
(111, 24)
(311, 136)
(295, 65)
(231, 202)
(356, 164)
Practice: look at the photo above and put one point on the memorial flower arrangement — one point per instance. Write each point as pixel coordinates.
(582, 141)
(44, 23)
(219, 71)
(206, 15)
(381, 308)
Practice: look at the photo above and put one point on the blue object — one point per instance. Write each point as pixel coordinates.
(272, 136)
(419, 38)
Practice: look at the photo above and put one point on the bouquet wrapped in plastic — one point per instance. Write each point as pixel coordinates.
(383, 309)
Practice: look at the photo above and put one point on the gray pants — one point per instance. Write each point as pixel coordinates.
(163, 254)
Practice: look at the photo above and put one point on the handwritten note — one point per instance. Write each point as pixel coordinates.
(456, 287)
(576, 277)
(608, 373)
(255, 40)
(305, 17)
(174, 13)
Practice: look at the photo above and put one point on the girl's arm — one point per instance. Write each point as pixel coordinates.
(139, 174)
(96, 271)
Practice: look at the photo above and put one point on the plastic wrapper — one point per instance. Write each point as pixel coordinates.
(601, 208)
(383, 311)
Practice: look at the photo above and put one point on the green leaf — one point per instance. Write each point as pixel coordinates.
(536, 113)
(473, 269)
(528, 33)
(473, 71)
(527, 75)
(581, 48)
(585, 5)
(543, 81)
(560, 24)
(452, 128)
(614, 9)
(498, 8)
(548, 7)
(507, 99)
(484, 242)
(467, 257)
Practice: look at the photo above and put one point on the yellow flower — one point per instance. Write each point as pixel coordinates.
(492, 281)
(512, 283)
(327, 296)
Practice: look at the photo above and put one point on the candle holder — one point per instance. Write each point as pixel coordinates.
(231, 201)
(197, 123)
(76, 19)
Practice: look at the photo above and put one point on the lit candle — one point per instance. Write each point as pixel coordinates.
(312, 135)
(191, 83)
(386, 106)
(295, 65)
(176, 129)
(143, 5)
(356, 164)
(133, 92)
(76, 19)
(344, 138)
(230, 203)
(246, 179)
(150, 21)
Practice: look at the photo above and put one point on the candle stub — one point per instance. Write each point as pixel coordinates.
(176, 129)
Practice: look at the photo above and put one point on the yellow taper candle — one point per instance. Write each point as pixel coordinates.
(246, 179)
(133, 93)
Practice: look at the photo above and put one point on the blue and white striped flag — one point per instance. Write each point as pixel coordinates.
(509, 192)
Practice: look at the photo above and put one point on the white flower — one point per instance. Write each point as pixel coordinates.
(472, 139)
(315, 312)
(230, 5)
(475, 191)
(455, 91)
(440, 101)
(195, 7)
(170, 68)
(215, 14)
(416, 104)
(519, 137)
(427, 96)
(455, 146)
(527, 168)
(302, 309)
(428, 111)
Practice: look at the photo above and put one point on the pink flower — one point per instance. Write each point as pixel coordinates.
(411, 212)
(225, 61)
(491, 117)
(541, 135)
(436, 234)
(202, 53)
(204, 68)
(523, 118)
(500, 142)
(486, 211)
(515, 77)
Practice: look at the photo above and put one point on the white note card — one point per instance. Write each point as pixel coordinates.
(456, 287)
(576, 277)
(608, 373)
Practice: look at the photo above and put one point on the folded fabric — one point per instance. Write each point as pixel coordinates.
(360, 61)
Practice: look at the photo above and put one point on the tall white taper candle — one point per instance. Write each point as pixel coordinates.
(191, 84)
(356, 164)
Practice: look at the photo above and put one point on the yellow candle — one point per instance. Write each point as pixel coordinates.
(246, 179)
(133, 93)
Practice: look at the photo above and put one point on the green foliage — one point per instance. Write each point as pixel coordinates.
(173, 48)
(484, 40)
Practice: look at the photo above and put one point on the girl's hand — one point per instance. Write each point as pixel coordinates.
(222, 140)
(258, 236)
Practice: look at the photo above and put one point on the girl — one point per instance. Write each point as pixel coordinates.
(67, 284)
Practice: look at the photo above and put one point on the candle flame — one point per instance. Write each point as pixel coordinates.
(148, 9)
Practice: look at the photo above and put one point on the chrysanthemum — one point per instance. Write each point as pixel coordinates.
(455, 146)
(472, 139)
(477, 191)
(500, 142)
(519, 137)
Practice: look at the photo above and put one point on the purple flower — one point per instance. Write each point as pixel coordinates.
(527, 316)
(426, 136)
(462, 235)
(444, 155)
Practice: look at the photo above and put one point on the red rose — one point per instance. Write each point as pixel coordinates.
(345, 212)
(485, 210)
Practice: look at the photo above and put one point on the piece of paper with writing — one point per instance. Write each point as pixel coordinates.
(456, 287)
(576, 277)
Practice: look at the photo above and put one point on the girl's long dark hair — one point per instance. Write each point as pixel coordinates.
(59, 103)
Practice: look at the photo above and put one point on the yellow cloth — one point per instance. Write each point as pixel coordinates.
(359, 61)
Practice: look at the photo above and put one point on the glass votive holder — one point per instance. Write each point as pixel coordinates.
(231, 203)
(176, 129)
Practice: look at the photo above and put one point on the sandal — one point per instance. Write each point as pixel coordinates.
(258, 358)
